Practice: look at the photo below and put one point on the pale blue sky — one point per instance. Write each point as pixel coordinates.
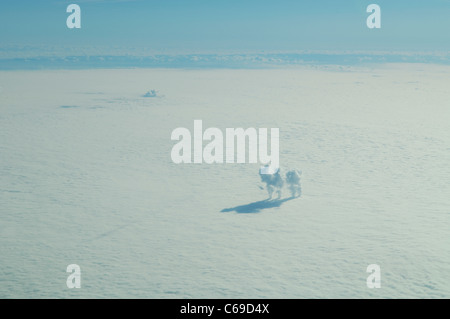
(238, 25)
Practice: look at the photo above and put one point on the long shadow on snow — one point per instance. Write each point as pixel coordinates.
(256, 207)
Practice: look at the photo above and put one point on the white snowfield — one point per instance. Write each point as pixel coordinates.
(86, 178)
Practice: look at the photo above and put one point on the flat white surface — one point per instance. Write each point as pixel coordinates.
(86, 178)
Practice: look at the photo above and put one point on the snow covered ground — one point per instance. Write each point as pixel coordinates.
(86, 178)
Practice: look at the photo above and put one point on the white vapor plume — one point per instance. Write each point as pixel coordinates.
(274, 182)
(293, 182)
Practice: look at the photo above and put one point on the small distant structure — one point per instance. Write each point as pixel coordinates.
(151, 93)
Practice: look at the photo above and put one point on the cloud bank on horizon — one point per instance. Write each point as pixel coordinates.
(18, 59)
